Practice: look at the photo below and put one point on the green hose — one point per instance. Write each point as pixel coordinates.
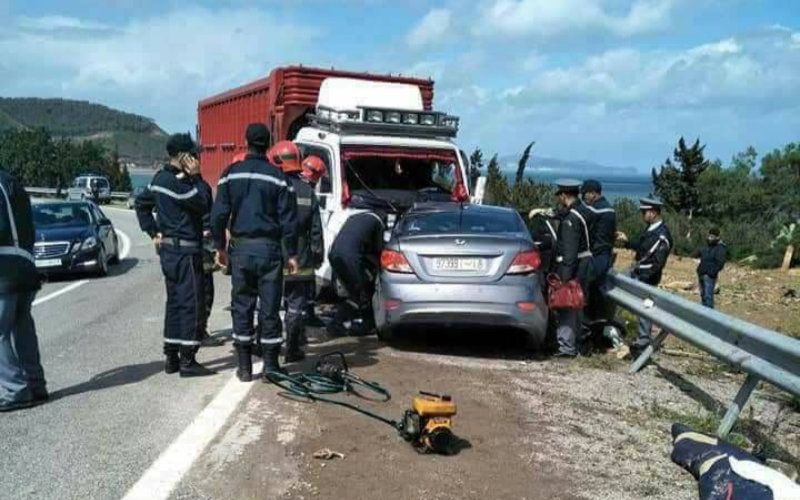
(315, 386)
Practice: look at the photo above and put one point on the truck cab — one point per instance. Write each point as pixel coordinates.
(382, 149)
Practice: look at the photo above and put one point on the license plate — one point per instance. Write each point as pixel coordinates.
(459, 264)
(48, 262)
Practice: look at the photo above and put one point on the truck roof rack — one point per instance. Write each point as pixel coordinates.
(387, 121)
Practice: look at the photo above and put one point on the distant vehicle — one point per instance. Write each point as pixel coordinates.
(131, 201)
(461, 265)
(73, 236)
(90, 187)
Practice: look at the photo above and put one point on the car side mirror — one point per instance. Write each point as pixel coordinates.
(104, 222)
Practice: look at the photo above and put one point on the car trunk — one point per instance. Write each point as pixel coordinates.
(461, 258)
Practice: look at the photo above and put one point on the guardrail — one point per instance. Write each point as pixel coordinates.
(53, 192)
(761, 353)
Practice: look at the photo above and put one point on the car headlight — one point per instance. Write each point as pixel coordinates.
(88, 243)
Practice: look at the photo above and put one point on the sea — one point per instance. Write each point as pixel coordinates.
(633, 186)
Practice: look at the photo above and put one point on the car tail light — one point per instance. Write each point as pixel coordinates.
(526, 306)
(395, 262)
(392, 304)
(459, 193)
(525, 262)
(345, 194)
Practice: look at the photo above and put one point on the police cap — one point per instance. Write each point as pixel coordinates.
(649, 204)
(181, 143)
(591, 185)
(572, 186)
(257, 135)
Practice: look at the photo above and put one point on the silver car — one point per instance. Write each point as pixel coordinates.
(452, 264)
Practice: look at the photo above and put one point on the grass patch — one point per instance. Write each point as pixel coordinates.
(601, 361)
(706, 423)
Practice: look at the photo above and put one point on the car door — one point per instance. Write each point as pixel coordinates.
(105, 231)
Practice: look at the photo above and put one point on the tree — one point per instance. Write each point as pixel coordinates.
(676, 183)
(497, 189)
(780, 171)
(475, 167)
(523, 162)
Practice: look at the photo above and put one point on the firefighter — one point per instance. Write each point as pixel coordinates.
(314, 170)
(22, 382)
(256, 202)
(652, 252)
(573, 261)
(355, 259)
(299, 287)
(182, 201)
(602, 233)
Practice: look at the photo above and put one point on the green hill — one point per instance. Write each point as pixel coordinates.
(137, 138)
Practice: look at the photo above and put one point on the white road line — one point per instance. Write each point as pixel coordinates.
(169, 468)
(126, 248)
(68, 288)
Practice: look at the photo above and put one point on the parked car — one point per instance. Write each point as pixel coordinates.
(460, 264)
(73, 237)
(90, 187)
(131, 201)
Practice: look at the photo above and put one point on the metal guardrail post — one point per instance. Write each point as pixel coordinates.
(648, 352)
(736, 406)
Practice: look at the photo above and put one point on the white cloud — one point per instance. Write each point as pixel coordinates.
(431, 29)
(158, 66)
(548, 18)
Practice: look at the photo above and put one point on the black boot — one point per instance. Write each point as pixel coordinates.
(172, 364)
(244, 370)
(293, 351)
(271, 363)
(191, 368)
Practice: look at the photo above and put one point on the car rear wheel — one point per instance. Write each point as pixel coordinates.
(386, 333)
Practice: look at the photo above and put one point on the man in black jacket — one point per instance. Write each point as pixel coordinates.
(299, 287)
(256, 201)
(355, 259)
(573, 261)
(712, 259)
(22, 382)
(180, 198)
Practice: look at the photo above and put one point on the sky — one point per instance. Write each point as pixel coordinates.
(610, 81)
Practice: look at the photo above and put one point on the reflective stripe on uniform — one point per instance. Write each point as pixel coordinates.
(16, 251)
(182, 342)
(274, 341)
(255, 176)
(600, 210)
(242, 338)
(584, 255)
(645, 266)
(304, 202)
(173, 194)
(585, 231)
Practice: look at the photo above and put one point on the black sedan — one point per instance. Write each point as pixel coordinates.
(73, 237)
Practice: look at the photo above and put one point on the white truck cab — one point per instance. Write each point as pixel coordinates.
(381, 147)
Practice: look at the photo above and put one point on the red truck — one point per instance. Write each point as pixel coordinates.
(283, 100)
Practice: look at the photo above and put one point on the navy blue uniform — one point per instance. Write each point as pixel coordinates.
(602, 233)
(257, 203)
(310, 254)
(181, 202)
(355, 259)
(573, 261)
(208, 262)
(712, 259)
(652, 252)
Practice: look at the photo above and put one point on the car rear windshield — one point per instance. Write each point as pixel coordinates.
(61, 214)
(461, 222)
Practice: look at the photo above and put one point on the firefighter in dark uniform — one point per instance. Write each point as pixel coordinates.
(182, 202)
(602, 233)
(256, 202)
(652, 252)
(310, 250)
(355, 259)
(573, 261)
(314, 170)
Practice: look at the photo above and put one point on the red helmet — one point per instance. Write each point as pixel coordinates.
(314, 169)
(286, 156)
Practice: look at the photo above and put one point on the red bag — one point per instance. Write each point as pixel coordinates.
(562, 295)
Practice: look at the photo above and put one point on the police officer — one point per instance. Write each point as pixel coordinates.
(652, 252)
(256, 202)
(355, 259)
(22, 382)
(573, 261)
(602, 233)
(299, 287)
(182, 202)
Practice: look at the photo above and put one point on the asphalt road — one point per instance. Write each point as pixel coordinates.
(112, 409)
